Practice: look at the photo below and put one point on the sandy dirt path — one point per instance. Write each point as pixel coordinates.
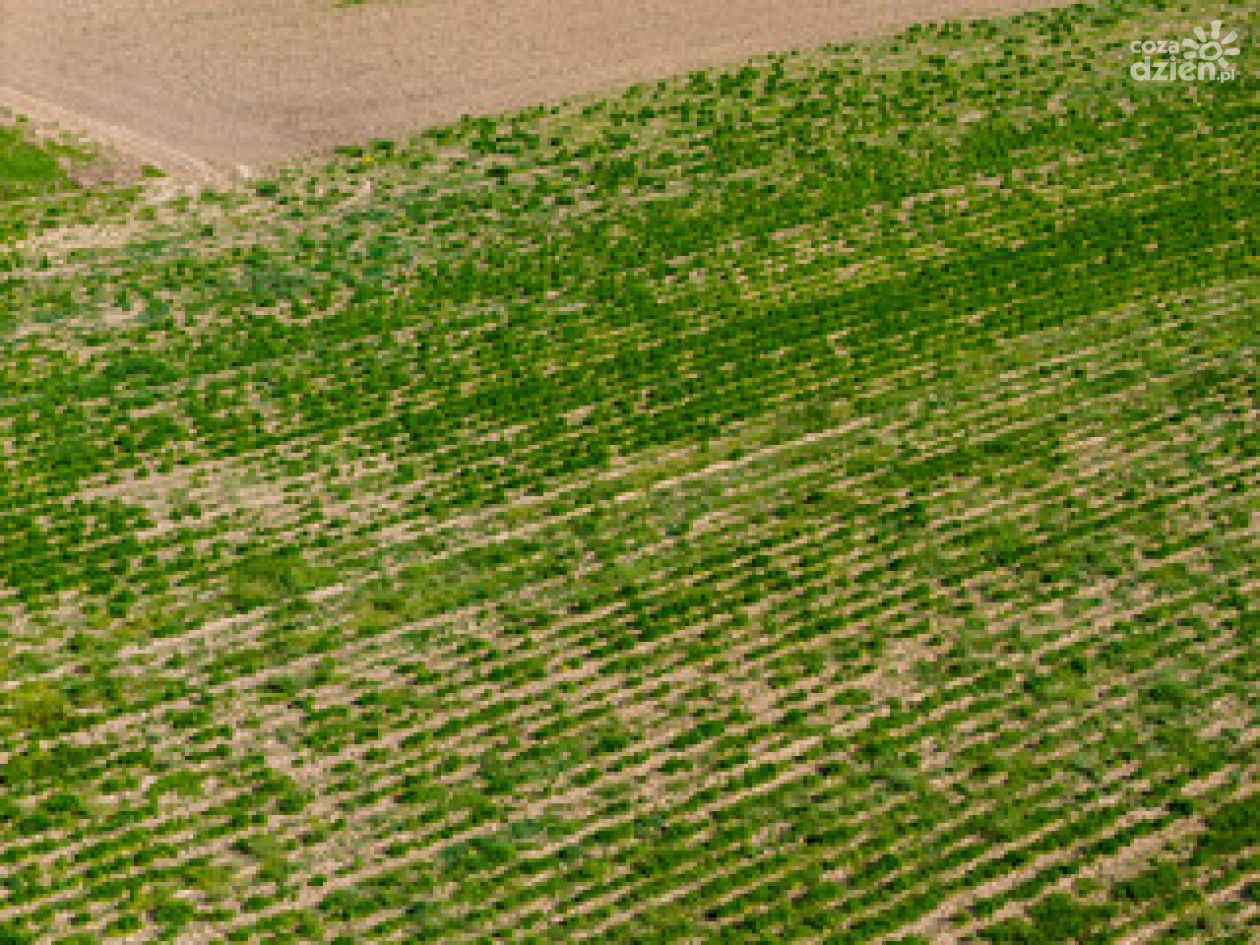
(198, 87)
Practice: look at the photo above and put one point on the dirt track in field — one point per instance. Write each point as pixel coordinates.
(199, 87)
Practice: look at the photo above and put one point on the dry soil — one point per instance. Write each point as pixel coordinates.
(199, 87)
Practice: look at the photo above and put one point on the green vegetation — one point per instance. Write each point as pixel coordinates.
(24, 166)
(809, 501)
(36, 187)
(27, 170)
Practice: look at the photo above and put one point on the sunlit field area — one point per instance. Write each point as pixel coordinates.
(812, 500)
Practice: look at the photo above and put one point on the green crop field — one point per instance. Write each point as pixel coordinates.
(808, 501)
(35, 183)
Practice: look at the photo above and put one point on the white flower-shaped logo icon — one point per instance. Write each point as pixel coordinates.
(1211, 47)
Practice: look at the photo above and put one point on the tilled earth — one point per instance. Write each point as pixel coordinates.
(199, 87)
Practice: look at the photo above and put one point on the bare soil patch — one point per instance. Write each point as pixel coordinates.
(200, 87)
